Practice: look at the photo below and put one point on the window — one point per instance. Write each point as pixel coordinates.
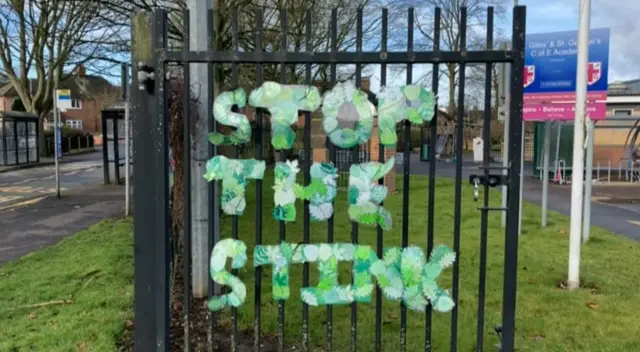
(622, 112)
(75, 124)
(76, 104)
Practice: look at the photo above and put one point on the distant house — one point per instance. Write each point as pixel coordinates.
(89, 94)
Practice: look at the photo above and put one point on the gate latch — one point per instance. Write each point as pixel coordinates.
(493, 180)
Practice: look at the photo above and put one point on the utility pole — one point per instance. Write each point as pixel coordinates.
(577, 169)
(200, 80)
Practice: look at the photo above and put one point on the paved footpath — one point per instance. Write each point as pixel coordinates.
(25, 229)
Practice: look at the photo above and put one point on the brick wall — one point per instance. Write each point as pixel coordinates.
(89, 114)
(6, 103)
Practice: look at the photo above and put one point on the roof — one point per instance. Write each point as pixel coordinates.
(82, 88)
(17, 115)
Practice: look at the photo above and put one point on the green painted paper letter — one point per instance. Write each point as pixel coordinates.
(237, 251)
(223, 114)
(284, 103)
(347, 115)
(321, 192)
(365, 196)
(396, 104)
(234, 175)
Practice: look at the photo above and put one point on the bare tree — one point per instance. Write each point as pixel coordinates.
(272, 34)
(51, 38)
(450, 37)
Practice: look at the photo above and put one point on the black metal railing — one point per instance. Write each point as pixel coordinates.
(152, 220)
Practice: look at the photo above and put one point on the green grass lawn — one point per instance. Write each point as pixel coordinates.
(74, 296)
(602, 317)
(94, 271)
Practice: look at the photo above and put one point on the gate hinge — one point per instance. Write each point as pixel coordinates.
(145, 77)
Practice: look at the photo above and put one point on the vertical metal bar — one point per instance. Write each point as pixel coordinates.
(433, 141)
(105, 148)
(234, 218)
(213, 203)
(161, 186)
(186, 188)
(283, 157)
(26, 126)
(515, 132)
(307, 180)
(15, 141)
(405, 181)
(37, 142)
(144, 236)
(332, 158)
(458, 182)
(116, 150)
(259, 155)
(381, 157)
(486, 138)
(356, 159)
(4, 142)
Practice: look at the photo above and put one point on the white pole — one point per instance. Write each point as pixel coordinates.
(521, 179)
(577, 183)
(56, 136)
(586, 217)
(546, 146)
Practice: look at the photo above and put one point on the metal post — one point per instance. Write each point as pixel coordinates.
(4, 143)
(125, 97)
(546, 146)
(56, 132)
(15, 142)
(586, 216)
(577, 170)
(116, 149)
(200, 81)
(105, 148)
(26, 126)
(505, 148)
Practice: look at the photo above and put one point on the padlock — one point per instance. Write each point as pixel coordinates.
(476, 192)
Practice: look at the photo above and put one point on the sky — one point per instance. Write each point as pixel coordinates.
(545, 16)
(620, 16)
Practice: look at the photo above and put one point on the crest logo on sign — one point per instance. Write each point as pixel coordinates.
(594, 72)
(529, 75)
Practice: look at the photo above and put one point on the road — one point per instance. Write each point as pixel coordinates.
(618, 217)
(27, 186)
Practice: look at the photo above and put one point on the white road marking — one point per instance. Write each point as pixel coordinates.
(25, 181)
(634, 222)
(71, 173)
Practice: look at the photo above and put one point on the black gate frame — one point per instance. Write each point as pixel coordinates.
(152, 220)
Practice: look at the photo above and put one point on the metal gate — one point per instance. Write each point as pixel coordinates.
(153, 257)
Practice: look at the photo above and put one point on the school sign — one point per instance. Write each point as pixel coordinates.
(550, 75)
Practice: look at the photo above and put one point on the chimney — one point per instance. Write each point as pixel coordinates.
(80, 71)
